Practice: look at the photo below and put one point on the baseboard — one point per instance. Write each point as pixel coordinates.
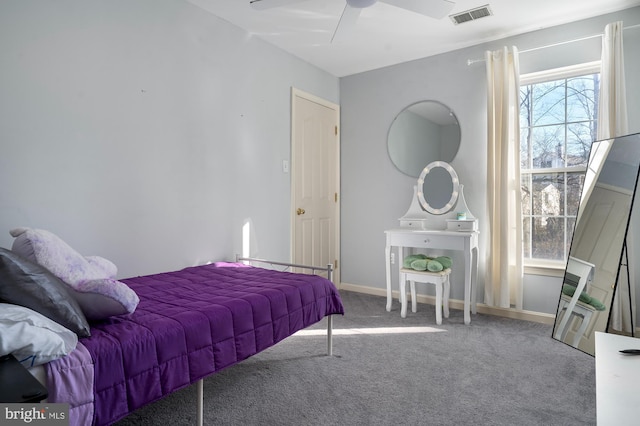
(520, 314)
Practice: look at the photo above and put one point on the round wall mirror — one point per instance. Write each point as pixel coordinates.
(438, 188)
(423, 132)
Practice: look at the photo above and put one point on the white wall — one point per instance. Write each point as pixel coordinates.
(375, 196)
(145, 131)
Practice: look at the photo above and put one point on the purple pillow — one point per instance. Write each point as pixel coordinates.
(48, 250)
(101, 299)
(90, 278)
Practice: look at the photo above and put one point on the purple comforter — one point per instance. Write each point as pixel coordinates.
(195, 322)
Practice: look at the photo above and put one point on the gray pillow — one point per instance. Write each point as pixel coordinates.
(28, 284)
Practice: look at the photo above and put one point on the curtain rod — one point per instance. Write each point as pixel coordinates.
(473, 61)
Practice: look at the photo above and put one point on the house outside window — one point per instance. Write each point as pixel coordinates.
(558, 116)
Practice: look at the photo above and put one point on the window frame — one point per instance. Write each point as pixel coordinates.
(544, 266)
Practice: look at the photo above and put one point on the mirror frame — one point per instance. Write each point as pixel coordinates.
(454, 192)
(580, 229)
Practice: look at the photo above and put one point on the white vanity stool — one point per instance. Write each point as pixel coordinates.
(571, 307)
(439, 279)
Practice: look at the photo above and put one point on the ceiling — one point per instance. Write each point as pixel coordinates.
(386, 35)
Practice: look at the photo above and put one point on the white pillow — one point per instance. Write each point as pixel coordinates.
(108, 267)
(91, 278)
(31, 337)
(48, 250)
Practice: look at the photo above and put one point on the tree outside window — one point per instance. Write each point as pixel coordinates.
(557, 127)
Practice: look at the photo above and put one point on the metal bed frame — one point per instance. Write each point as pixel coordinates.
(249, 260)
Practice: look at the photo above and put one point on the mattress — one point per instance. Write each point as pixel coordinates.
(188, 325)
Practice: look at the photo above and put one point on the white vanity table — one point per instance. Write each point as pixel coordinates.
(438, 229)
(467, 242)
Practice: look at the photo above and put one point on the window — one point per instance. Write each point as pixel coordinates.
(558, 113)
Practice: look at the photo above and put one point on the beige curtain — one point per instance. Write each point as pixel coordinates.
(504, 271)
(612, 104)
(612, 122)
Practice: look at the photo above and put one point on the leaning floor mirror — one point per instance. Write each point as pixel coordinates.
(597, 294)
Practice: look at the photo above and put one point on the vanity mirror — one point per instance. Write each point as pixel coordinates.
(421, 133)
(439, 181)
(595, 270)
(438, 193)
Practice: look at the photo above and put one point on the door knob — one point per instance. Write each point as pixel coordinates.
(300, 211)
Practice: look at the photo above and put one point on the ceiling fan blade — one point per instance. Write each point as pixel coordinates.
(271, 4)
(433, 8)
(347, 23)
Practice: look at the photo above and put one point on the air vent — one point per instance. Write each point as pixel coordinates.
(471, 15)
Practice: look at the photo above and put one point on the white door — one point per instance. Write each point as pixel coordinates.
(315, 181)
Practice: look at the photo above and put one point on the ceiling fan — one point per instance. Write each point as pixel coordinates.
(432, 8)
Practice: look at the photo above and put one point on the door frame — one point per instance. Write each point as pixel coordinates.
(295, 93)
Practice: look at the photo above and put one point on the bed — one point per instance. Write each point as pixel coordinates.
(187, 325)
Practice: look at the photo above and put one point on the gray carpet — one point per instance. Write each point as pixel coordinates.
(495, 371)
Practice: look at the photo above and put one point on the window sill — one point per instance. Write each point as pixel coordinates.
(549, 269)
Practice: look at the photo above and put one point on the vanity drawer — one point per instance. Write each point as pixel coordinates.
(425, 240)
(412, 223)
(462, 224)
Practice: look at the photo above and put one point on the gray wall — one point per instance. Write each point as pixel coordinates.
(375, 196)
(145, 131)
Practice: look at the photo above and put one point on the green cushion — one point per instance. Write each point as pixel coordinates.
(407, 260)
(584, 297)
(434, 266)
(419, 264)
(445, 261)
